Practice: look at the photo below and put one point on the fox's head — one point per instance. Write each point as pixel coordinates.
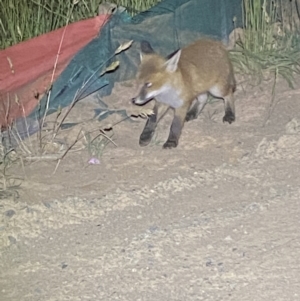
(156, 77)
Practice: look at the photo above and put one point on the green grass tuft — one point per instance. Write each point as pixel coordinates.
(267, 48)
(21, 20)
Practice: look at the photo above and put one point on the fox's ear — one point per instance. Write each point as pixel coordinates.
(172, 62)
(145, 49)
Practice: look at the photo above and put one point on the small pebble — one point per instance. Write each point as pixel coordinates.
(10, 213)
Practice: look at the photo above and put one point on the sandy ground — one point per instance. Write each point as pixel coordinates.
(218, 218)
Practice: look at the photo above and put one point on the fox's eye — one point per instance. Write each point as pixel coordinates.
(148, 85)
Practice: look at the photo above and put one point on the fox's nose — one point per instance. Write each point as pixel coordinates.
(133, 100)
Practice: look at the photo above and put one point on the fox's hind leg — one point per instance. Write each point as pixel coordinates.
(229, 108)
(159, 111)
(196, 107)
(225, 92)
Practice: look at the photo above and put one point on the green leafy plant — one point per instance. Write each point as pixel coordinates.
(267, 48)
(96, 145)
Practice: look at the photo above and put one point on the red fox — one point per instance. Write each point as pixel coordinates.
(182, 82)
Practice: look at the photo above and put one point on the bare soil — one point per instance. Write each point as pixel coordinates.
(217, 218)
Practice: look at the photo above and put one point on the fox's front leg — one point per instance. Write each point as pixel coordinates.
(176, 126)
(159, 111)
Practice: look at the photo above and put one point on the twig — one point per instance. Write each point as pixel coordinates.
(56, 120)
(76, 140)
(108, 138)
(63, 119)
(272, 105)
(55, 65)
(56, 166)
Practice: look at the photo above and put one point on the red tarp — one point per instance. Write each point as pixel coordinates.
(26, 69)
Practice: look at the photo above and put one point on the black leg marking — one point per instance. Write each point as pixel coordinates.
(148, 131)
(175, 133)
(229, 116)
(192, 113)
(196, 107)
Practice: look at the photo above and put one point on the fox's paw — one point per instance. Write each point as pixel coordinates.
(170, 144)
(145, 138)
(191, 116)
(229, 117)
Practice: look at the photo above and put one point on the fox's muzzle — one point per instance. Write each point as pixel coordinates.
(133, 100)
(142, 97)
(139, 101)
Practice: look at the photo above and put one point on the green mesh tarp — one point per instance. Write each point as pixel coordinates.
(168, 26)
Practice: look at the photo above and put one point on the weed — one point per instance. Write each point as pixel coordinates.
(267, 49)
(9, 184)
(96, 145)
(21, 20)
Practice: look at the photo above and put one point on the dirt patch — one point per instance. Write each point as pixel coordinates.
(215, 219)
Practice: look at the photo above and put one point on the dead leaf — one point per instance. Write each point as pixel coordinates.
(123, 47)
(113, 66)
